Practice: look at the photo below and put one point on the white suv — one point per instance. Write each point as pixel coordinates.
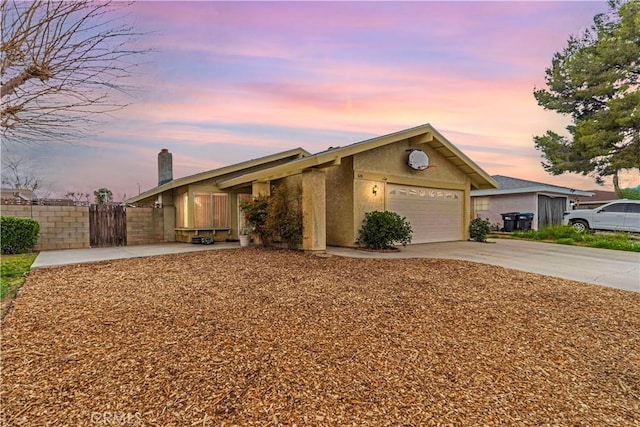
(621, 215)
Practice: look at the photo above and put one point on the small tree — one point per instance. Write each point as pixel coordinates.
(103, 196)
(479, 229)
(19, 173)
(381, 230)
(255, 213)
(284, 215)
(77, 197)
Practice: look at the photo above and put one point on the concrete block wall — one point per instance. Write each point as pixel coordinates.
(61, 227)
(145, 226)
(67, 227)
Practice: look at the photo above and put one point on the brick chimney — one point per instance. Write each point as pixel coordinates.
(165, 167)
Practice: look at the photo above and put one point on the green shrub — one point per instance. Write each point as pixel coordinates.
(479, 228)
(284, 215)
(18, 235)
(381, 230)
(630, 193)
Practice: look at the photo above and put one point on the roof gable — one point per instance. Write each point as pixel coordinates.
(424, 134)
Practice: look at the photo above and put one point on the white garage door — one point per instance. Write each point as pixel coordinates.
(435, 214)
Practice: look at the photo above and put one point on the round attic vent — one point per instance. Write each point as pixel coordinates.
(418, 160)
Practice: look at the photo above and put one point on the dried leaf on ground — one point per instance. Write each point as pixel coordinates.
(271, 337)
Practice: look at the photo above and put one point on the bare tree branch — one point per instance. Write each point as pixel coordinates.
(18, 173)
(63, 65)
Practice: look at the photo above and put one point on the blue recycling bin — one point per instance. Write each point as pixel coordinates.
(509, 221)
(525, 219)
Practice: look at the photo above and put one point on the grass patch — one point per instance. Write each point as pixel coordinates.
(566, 241)
(12, 271)
(566, 235)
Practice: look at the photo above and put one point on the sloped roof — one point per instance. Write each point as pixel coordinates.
(509, 185)
(421, 134)
(254, 164)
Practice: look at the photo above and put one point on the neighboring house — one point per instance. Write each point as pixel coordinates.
(416, 172)
(598, 199)
(17, 193)
(547, 202)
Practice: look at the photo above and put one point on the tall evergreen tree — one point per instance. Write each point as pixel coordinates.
(595, 80)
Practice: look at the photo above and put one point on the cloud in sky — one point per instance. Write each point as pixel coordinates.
(230, 81)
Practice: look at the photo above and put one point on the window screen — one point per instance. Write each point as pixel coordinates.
(181, 210)
(210, 210)
(480, 204)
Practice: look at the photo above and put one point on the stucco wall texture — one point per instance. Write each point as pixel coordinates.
(392, 160)
(339, 196)
(509, 203)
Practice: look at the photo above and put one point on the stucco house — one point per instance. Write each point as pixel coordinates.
(547, 202)
(416, 172)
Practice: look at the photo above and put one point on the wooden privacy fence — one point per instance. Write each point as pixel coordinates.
(107, 225)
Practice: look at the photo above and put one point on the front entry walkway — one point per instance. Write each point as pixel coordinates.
(79, 256)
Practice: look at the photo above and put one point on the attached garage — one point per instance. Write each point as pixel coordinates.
(435, 214)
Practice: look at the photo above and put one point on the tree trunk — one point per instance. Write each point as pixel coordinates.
(616, 185)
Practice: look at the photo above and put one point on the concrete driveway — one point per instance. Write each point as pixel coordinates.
(616, 269)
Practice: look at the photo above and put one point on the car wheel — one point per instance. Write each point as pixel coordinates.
(580, 226)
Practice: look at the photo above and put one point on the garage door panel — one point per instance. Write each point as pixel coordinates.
(435, 214)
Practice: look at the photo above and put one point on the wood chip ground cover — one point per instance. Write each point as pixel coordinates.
(271, 337)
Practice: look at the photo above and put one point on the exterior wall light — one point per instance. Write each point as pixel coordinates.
(375, 190)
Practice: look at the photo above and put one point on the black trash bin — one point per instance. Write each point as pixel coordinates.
(509, 221)
(524, 221)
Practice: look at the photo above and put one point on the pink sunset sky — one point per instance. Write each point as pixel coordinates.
(231, 81)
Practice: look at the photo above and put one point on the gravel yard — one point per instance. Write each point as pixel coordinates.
(272, 337)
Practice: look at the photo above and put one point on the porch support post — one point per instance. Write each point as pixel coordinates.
(314, 212)
(261, 189)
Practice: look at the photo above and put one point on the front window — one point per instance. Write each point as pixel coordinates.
(182, 202)
(210, 210)
(480, 204)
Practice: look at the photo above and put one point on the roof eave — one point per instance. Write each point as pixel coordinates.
(497, 192)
